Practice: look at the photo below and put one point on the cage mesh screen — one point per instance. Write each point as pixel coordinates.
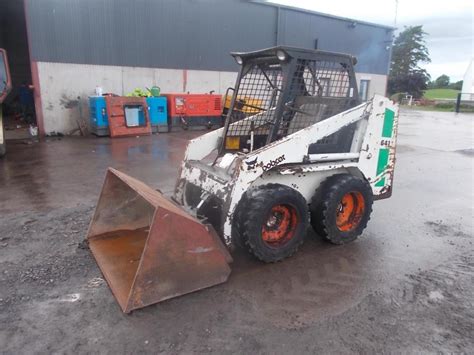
(258, 95)
(317, 90)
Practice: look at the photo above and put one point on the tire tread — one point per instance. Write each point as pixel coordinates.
(254, 200)
(326, 196)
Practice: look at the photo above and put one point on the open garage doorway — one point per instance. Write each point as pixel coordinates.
(19, 118)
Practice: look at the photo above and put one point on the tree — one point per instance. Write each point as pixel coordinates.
(409, 50)
(414, 84)
(456, 86)
(442, 81)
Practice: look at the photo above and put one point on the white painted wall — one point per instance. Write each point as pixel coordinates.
(61, 84)
(377, 83)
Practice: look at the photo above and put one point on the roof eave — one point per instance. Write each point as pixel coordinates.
(298, 9)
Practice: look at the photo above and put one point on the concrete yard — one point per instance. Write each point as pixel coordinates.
(406, 285)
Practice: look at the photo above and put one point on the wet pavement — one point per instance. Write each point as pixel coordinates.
(406, 285)
(65, 172)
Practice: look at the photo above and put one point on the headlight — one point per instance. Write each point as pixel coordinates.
(238, 59)
(281, 55)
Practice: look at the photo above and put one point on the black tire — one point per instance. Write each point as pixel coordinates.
(327, 208)
(3, 150)
(275, 212)
(238, 225)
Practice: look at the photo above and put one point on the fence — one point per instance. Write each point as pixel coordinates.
(465, 102)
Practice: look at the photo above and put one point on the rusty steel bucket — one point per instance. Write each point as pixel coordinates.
(148, 248)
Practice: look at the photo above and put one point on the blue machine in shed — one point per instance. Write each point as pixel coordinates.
(158, 113)
(99, 121)
(98, 118)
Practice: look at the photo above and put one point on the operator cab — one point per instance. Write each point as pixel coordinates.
(282, 90)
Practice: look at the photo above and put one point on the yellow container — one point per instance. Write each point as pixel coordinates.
(246, 100)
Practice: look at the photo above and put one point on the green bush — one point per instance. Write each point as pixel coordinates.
(445, 105)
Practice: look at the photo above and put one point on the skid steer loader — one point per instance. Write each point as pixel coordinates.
(304, 151)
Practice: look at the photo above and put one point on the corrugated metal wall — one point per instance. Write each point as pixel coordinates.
(371, 45)
(190, 34)
(13, 39)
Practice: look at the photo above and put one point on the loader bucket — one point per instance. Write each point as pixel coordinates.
(148, 248)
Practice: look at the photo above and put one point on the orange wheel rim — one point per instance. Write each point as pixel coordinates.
(350, 210)
(280, 225)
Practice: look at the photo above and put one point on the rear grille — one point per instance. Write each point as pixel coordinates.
(217, 104)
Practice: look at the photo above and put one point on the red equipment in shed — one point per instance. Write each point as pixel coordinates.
(128, 116)
(194, 111)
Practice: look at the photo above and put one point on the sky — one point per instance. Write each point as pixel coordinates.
(449, 25)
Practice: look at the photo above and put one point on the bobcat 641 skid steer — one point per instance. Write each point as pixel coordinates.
(309, 153)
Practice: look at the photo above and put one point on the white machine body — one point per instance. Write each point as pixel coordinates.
(287, 162)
